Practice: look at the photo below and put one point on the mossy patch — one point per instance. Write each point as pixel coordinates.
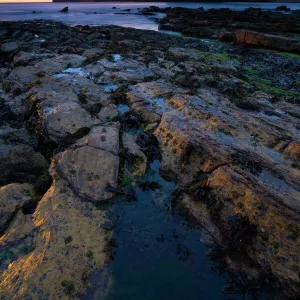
(266, 85)
(68, 287)
(6, 257)
(169, 135)
(97, 177)
(72, 172)
(90, 254)
(209, 56)
(287, 54)
(89, 176)
(82, 98)
(27, 193)
(7, 136)
(295, 165)
(34, 83)
(135, 162)
(252, 71)
(126, 180)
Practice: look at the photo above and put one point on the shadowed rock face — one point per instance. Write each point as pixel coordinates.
(135, 159)
(12, 198)
(20, 163)
(248, 188)
(98, 103)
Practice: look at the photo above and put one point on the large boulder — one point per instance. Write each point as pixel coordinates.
(102, 137)
(247, 37)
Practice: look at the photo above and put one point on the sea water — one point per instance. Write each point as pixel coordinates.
(102, 13)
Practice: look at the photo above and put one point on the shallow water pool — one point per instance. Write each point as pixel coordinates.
(157, 256)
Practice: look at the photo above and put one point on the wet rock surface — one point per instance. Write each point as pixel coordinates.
(135, 159)
(101, 106)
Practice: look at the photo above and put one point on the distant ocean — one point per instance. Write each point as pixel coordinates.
(101, 13)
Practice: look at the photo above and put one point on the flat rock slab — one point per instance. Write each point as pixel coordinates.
(108, 113)
(20, 78)
(102, 137)
(58, 64)
(68, 119)
(82, 85)
(134, 75)
(30, 58)
(89, 171)
(61, 112)
(149, 90)
(9, 47)
(148, 99)
(104, 65)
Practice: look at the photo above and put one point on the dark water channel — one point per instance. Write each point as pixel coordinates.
(157, 256)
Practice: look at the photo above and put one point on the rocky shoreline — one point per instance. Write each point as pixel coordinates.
(222, 23)
(85, 110)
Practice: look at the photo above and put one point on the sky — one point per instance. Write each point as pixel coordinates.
(10, 1)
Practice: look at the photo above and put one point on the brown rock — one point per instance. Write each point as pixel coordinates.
(108, 113)
(250, 195)
(64, 244)
(93, 165)
(263, 40)
(226, 36)
(292, 151)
